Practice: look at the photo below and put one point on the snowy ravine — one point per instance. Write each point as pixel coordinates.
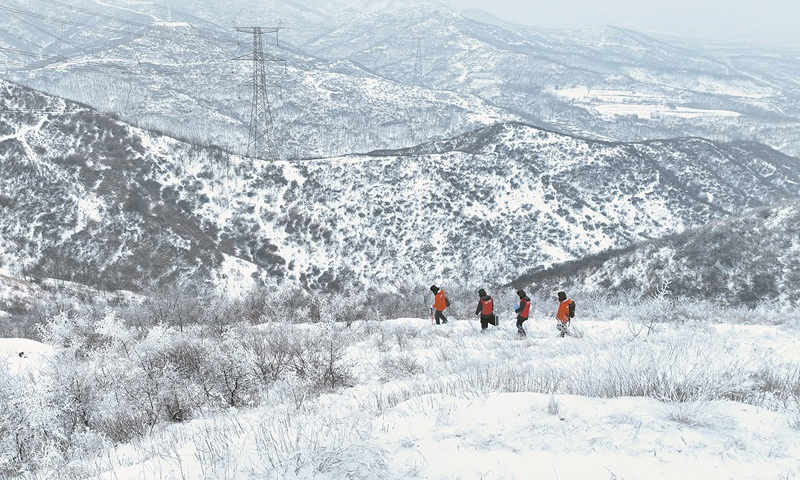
(447, 402)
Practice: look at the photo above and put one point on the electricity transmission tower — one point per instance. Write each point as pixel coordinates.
(261, 137)
(418, 63)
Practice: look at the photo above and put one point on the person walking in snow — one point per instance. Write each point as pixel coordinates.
(565, 312)
(522, 310)
(485, 309)
(440, 303)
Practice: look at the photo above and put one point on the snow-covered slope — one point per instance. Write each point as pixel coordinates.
(181, 77)
(353, 83)
(607, 83)
(744, 259)
(88, 198)
(689, 401)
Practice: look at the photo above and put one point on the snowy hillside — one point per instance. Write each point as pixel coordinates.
(744, 260)
(116, 206)
(400, 399)
(352, 83)
(173, 309)
(180, 77)
(607, 83)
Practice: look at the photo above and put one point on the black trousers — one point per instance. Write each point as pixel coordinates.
(486, 320)
(440, 316)
(520, 329)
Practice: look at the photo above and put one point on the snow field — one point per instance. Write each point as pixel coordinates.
(21, 355)
(684, 401)
(614, 103)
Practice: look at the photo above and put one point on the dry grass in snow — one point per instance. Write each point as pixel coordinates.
(421, 401)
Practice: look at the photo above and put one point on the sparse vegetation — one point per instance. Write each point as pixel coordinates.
(120, 377)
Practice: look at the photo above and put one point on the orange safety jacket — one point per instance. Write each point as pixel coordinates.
(563, 311)
(439, 302)
(487, 306)
(525, 308)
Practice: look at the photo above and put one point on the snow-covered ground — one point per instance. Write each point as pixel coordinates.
(20, 355)
(615, 103)
(450, 402)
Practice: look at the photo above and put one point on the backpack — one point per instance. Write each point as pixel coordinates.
(572, 309)
(446, 301)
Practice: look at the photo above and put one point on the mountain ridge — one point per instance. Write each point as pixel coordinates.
(746, 259)
(118, 206)
(350, 84)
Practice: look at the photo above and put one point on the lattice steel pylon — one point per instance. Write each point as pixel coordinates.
(418, 75)
(261, 141)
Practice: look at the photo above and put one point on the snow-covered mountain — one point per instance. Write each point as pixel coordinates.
(745, 259)
(607, 83)
(353, 83)
(179, 75)
(86, 197)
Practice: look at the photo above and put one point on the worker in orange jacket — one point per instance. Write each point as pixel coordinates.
(439, 304)
(522, 310)
(485, 309)
(566, 310)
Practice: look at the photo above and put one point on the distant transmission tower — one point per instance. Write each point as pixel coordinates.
(261, 137)
(418, 63)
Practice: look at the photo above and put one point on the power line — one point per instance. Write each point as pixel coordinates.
(95, 14)
(49, 112)
(30, 54)
(200, 33)
(59, 20)
(197, 30)
(98, 67)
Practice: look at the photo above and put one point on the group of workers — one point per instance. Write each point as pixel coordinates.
(485, 308)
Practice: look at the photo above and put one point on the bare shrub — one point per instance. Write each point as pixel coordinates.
(220, 314)
(404, 335)
(271, 353)
(254, 305)
(696, 413)
(651, 311)
(401, 365)
(344, 308)
(319, 358)
(320, 442)
(295, 304)
(553, 407)
(389, 305)
(231, 372)
(175, 304)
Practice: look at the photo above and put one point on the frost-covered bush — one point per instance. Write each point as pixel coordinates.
(307, 444)
(289, 303)
(399, 365)
(318, 357)
(553, 407)
(230, 372)
(32, 425)
(271, 352)
(173, 304)
(116, 382)
(693, 413)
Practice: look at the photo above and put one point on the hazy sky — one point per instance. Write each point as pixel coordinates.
(747, 21)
